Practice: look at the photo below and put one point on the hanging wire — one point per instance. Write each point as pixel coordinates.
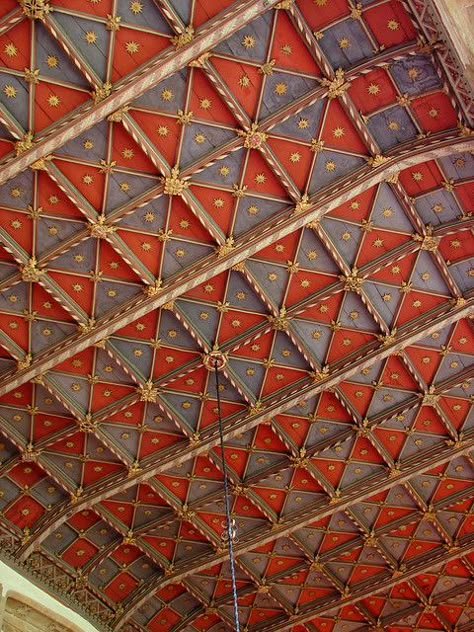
(230, 527)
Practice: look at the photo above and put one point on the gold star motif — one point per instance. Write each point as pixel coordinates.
(286, 49)
(393, 126)
(149, 217)
(303, 123)
(437, 208)
(373, 89)
(88, 144)
(377, 243)
(224, 171)
(124, 186)
(132, 47)
(417, 176)
(205, 103)
(244, 81)
(344, 43)
(167, 94)
(433, 113)
(260, 178)
(52, 61)
(330, 165)
(346, 236)
(128, 153)
(320, 3)
(10, 91)
(393, 25)
(90, 37)
(162, 130)
(199, 138)
(248, 41)
(295, 157)
(338, 132)
(10, 49)
(281, 88)
(136, 7)
(252, 209)
(218, 202)
(413, 73)
(54, 101)
(387, 212)
(87, 179)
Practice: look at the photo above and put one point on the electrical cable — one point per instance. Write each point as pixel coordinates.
(230, 530)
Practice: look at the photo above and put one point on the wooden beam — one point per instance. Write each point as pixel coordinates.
(251, 421)
(216, 30)
(426, 149)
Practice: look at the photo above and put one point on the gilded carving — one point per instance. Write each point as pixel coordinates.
(173, 184)
(336, 86)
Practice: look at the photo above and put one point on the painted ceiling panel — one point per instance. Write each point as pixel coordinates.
(288, 185)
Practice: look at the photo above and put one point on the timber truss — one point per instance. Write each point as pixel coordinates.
(289, 186)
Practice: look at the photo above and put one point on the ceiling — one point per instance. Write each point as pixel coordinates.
(287, 187)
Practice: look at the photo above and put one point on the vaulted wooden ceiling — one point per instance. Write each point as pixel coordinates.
(289, 185)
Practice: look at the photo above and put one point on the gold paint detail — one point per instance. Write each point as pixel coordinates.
(256, 407)
(377, 161)
(173, 184)
(76, 495)
(100, 229)
(148, 392)
(427, 242)
(201, 60)
(389, 338)
(280, 322)
(352, 281)
(183, 38)
(226, 248)
(87, 327)
(320, 374)
(302, 205)
(113, 22)
(133, 469)
(336, 86)
(24, 362)
(404, 100)
(392, 178)
(239, 267)
(30, 273)
(24, 143)
(460, 301)
(88, 425)
(356, 11)
(101, 92)
(35, 9)
(267, 68)
(284, 4)
(32, 75)
(40, 164)
(429, 398)
(117, 116)
(253, 139)
(152, 290)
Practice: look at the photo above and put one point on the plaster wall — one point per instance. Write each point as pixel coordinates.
(26, 608)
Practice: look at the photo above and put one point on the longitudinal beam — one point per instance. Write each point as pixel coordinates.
(429, 563)
(426, 149)
(170, 61)
(246, 423)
